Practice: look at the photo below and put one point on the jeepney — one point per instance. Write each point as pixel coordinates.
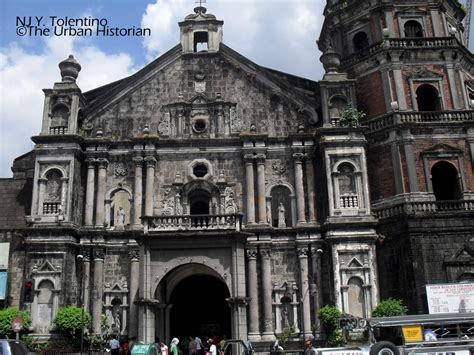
(449, 334)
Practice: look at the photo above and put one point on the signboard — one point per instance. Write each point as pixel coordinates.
(450, 298)
(412, 333)
(4, 253)
(3, 285)
(17, 324)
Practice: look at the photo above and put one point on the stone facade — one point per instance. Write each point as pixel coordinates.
(208, 195)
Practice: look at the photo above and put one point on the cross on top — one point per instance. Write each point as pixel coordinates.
(200, 2)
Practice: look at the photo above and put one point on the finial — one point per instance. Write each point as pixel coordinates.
(70, 69)
(200, 8)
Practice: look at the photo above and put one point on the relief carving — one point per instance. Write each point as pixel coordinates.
(236, 122)
(164, 127)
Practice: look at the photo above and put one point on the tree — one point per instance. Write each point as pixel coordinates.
(390, 308)
(7, 316)
(69, 319)
(329, 316)
(351, 117)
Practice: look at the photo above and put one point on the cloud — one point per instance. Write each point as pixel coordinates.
(277, 34)
(23, 75)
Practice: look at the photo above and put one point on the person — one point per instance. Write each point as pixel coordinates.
(276, 346)
(198, 345)
(192, 346)
(125, 346)
(174, 347)
(222, 344)
(212, 347)
(163, 349)
(250, 350)
(430, 335)
(114, 346)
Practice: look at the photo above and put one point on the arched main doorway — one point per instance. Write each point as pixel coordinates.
(200, 308)
(194, 297)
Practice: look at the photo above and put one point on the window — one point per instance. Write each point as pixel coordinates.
(199, 126)
(200, 170)
(360, 41)
(199, 201)
(427, 98)
(445, 181)
(59, 120)
(52, 193)
(347, 186)
(201, 40)
(413, 29)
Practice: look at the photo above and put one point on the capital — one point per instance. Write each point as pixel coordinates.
(260, 158)
(298, 157)
(90, 162)
(265, 253)
(150, 161)
(134, 254)
(102, 163)
(249, 158)
(302, 252)
(98, 253)
(252, 253)
(137, 160)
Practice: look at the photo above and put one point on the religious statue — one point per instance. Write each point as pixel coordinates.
(281, 216)
(117, 321)
(120, 218)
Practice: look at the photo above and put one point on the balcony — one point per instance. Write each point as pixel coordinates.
(401, 43)
(420, 208)
(218, 222)
(400, 117)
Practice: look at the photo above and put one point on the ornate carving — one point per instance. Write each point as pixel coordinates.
(90, 163)
(279, 167)
(236, 122)
(137, 160)
(102, 163)
(164, 127)
(265, 253)
(150, 161)
(260, 158)
(252, 253)
(172, 203)
(249, 157)
(200, 86)
(298, 157)
(120, 169)
(178, 205)
(230, 205)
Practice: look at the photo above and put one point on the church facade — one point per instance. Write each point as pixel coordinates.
(206, 194)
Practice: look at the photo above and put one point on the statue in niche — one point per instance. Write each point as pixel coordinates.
(281, 216)
(117, 319)
(120, 219)
(230, 205)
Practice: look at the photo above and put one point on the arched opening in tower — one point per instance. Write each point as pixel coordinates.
(413, 29)
(427, 98)
(445, 181)
(199, 202)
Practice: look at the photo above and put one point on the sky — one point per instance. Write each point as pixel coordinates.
(279, 34)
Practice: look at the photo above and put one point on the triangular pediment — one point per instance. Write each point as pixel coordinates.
(354, 263)
(441, 148)
(410, 10)
(46, 267)
(424, 73)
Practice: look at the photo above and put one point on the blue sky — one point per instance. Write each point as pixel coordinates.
(279, 34)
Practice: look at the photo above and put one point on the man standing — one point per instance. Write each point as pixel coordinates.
(114, 346)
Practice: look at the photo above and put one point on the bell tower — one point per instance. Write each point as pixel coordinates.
(414, 80)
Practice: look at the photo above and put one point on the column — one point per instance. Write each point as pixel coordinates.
(100, 198)
(250, 188)
(304, 289)
(254, 333)
(137, 192)
(399, 88)
(316, 255)
(134, 279)
(452, 86)
(63, 195)
(89, 210)
(410, 160)
(42, 186)
(86, 274)
(261, 199)
(300, 206)
(267, 296)
(97, 290)
(310, 184)
(149, 184)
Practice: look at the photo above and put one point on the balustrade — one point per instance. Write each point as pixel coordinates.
(423, 207)
(193, 222)
(51, 207)
(348, 201)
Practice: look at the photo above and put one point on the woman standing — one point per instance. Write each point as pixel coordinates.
(174, 347)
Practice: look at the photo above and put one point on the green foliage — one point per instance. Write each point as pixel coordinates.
(286, 335)
(7, 316)
(329, 315)
(390, 308)
(33, 345)
(69, 319)
(351, 117)
(335, 338)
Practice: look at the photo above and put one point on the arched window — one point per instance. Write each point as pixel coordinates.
(59, 120)
(360, 41)
(281, 207)
(199, 201)
(427, 98)
(52, 192)
(356, 299)
(347, 186)
(45, 303)
(413, 29)
(337, 106)
(445, 181)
